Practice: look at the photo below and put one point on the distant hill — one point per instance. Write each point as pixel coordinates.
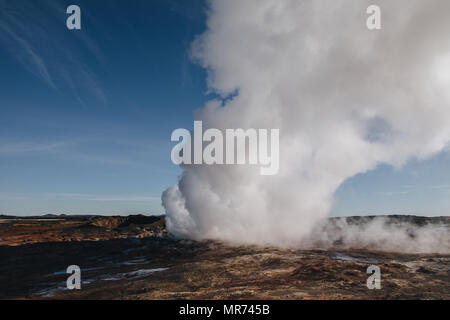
(75, 217)
(121, 222)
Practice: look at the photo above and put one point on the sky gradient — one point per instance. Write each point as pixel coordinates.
(86, 115)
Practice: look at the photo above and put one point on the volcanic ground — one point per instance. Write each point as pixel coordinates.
(135, 258)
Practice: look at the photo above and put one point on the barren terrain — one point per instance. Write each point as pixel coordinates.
(134, 258)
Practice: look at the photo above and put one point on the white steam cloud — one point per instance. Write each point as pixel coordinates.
(406, 234)
(345, 99)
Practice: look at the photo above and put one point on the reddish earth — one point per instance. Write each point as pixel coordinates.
(134, 258)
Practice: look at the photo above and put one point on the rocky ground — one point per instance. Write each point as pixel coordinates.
(134, 258)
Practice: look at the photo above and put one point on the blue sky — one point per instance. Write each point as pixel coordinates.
(86, 116)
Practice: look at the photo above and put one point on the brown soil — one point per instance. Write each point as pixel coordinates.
(133, 258)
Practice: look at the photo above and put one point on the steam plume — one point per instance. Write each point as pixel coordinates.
(345, 99)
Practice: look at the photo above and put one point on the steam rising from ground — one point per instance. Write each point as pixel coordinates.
(392, 234)
(344, 98)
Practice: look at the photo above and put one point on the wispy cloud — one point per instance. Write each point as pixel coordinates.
(78, 149)
(8, 196)
(112, 160)
(392, 193)
(22, 49)
(27, 148)
(42, 47)
(439, 186)
(106, 198)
